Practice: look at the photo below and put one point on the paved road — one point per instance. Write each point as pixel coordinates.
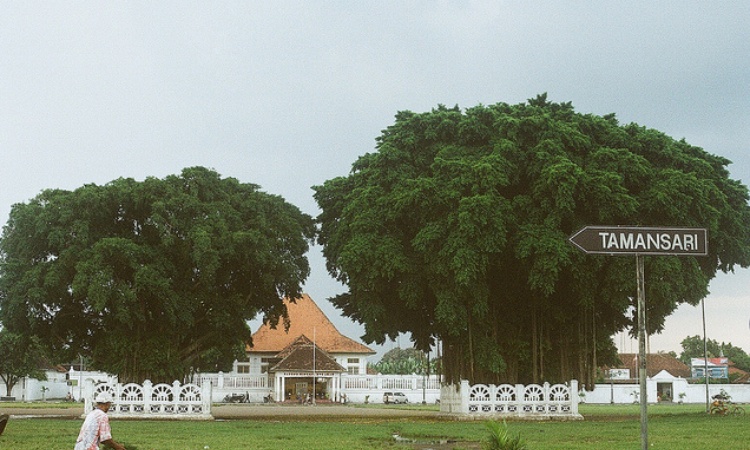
(248, 411)
(52, 411)
(334, 410)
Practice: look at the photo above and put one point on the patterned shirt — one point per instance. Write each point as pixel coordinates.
(94, 430)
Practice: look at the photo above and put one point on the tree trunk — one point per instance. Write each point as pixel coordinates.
(542, 342)
(10, 382)
(471, 350)
(594, 364)
(534, 344)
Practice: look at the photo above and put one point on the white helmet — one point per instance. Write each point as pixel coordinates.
(103, 397)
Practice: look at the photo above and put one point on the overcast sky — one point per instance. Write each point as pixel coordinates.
(288, 94)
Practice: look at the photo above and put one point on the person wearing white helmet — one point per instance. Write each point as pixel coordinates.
(95, 429)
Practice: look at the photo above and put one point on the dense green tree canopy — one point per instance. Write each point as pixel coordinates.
(20, 356)
(692, 347)
(151, 279)
(406, 361)
(457, 229)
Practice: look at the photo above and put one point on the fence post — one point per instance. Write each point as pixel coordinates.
(574, 397)
(148, 391)
(118, 395)
(520, 400)
(176, 396)
(464, 396)
(206, 398)
(88, 393)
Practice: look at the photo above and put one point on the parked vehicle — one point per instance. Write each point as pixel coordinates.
(237, 398)
(395, 397)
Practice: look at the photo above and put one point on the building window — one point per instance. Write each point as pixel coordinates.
(352, 366)
(243, 368)
(267, 363)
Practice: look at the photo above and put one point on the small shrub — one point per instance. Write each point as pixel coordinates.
(500, 438)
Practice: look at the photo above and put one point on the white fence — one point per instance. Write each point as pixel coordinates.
(256, 387)
(30, 389)
(175, 401)
(532, 401)
(370, 388)
(55, 387)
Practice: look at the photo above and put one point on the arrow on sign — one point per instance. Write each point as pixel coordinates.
(641, 240)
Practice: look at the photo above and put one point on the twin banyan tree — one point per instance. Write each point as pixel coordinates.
(456, 229)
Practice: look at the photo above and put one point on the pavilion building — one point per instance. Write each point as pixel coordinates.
(309, 358)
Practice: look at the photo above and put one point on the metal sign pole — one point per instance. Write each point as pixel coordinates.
(640, 241)
(705, 356)
(642, 350)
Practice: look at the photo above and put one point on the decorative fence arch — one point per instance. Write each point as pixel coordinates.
(532, 401)
(175, 401)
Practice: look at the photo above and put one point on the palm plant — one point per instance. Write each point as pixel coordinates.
(501, 439)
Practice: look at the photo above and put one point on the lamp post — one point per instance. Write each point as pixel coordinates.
(705, 355)
(315, 375)
(80, 377)
(425, 377)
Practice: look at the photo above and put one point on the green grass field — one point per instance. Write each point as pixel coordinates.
(605, 427)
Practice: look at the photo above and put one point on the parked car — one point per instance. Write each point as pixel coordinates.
(395, 397)
(237, 398)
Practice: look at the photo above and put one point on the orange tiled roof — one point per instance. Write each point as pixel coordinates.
(305, 319)
(741, 375)
(655, 363)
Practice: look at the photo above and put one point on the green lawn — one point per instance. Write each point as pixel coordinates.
(605, 427)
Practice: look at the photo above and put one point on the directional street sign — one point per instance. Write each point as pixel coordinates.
(641, 240)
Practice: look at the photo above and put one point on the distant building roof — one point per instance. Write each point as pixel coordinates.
(712, 362)
(738, 375)
(655, 363)
(305, 318)
(304, 356)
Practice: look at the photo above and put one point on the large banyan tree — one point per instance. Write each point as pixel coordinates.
(152, 279)
(456, 229)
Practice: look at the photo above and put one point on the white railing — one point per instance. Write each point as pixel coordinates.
(391, 382)
(177, 400)
(370, 388)
(359, 382)
(530, 401)
(357, 388)
(232, 381)
(399, 383)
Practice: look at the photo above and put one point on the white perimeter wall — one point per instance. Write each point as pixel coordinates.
(694, 393)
